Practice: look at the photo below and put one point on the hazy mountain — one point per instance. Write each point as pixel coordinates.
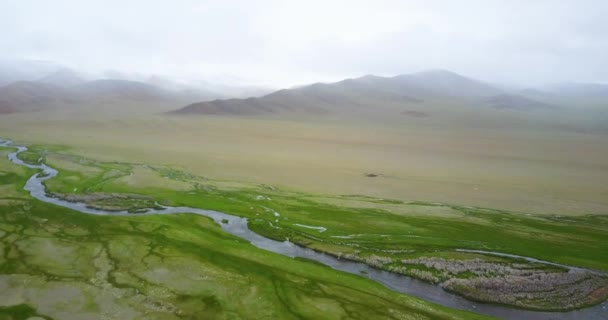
(366, 94)
(407, 94)
(119, 90)
(418, 86)
(186, 90)
(443, 83)
(588, 90)
(38, 95)
(64, 77)
(25, 70)
(30, 96)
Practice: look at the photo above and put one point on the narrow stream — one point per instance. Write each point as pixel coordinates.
(238, 226)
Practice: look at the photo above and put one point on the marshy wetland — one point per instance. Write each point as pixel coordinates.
(401, 237)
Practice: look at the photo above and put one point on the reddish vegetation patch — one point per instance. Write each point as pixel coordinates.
(600, 293)
(415, 114)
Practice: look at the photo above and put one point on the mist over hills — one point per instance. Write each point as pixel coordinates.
(27, 86)
(30, 85)
(29, 96)
(65, 78)
(25, 70)
(34, 86)
(573, 89)
(119, 89)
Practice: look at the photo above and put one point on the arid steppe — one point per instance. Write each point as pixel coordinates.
(443, 158)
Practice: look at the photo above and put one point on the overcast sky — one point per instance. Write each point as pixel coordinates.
(293, 42)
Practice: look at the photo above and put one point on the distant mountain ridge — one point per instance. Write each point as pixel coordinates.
(407, 94)
(186, 90)
(366, 94)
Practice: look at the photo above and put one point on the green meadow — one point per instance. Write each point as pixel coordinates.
(370, 222)
(61, 264)
(377, 231)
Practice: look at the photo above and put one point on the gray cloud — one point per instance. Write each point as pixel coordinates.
(289, 42)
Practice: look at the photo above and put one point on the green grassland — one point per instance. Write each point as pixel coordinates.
(373, 223)
(61, 264)
(380, 232)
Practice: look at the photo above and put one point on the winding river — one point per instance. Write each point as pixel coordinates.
(238, 226)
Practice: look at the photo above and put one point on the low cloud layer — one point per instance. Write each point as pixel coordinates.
(285, 43)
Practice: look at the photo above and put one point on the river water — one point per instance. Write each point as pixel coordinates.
(238, 226)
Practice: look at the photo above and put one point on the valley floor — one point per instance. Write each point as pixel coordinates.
(402, 196)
